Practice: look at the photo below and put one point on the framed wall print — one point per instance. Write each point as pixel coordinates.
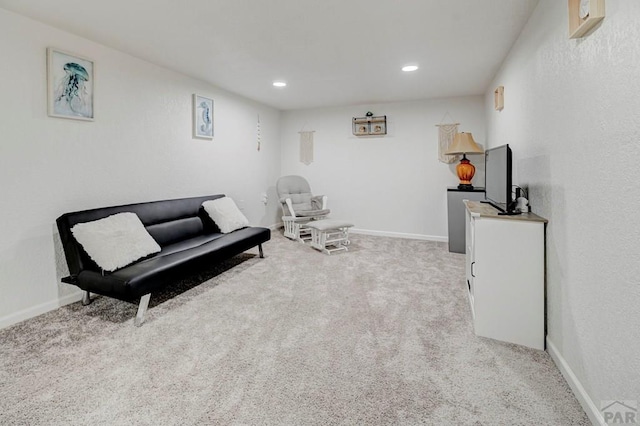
(584, 15)
(378, 128)
(202, 117)
(70, 85)
(360, 126)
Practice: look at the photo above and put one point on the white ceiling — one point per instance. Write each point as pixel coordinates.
(330, 52)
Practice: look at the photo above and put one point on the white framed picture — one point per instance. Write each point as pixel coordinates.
(70, 85)
(202, 117)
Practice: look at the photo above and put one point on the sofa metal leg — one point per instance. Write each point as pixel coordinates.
(260, 250)
(86, 298)
(142, 309)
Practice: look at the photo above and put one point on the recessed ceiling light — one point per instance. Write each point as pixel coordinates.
(279, 83)
(409, 68)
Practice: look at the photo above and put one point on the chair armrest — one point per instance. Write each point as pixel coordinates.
(290, 206)
(320, 201)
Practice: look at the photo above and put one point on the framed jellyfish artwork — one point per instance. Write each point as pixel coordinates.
(70, 85)
(202, 117)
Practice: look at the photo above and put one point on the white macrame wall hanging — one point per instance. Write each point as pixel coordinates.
(306, 147)
(446, 133)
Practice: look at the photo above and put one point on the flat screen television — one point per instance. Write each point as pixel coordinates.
(497, 185)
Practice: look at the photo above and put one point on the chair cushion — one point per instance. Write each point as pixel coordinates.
(312, 213)
(301, 202)
(297, 189)
(328, 224)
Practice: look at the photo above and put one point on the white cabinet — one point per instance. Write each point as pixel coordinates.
(505, 274)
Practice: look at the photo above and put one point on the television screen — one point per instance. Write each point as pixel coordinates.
(497, 169)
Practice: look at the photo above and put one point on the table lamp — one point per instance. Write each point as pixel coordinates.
(464, 144)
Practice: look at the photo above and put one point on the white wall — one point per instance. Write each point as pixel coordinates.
(139, 148)
(572, 116)
(391, 184)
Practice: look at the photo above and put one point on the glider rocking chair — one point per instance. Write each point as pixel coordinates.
(299, 207)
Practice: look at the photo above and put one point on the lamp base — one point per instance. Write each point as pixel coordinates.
(465, 171)
(465, 187)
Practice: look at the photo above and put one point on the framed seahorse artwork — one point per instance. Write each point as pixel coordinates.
(202, 117)
(70, 85)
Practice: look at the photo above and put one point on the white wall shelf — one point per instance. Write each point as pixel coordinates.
(370, 125)
(579, 26)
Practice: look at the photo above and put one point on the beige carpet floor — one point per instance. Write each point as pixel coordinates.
(379, 335)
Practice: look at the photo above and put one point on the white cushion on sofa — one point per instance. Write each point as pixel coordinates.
(225, 214)
(115, 241)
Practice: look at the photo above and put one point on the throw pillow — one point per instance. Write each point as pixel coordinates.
(225, 214)
(115, 241)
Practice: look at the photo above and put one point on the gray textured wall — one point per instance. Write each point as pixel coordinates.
(572, 116)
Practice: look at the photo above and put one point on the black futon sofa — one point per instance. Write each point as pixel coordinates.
(189, 239)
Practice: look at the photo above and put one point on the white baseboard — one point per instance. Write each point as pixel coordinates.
(578, 390)
(398, 235)
(34, 311)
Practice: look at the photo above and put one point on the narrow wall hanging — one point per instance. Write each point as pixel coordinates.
(306, 146)
(258, 134)
(70, 84)
(498, 98)
(446, 133)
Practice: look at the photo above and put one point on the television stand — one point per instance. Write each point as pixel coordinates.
(505, 274)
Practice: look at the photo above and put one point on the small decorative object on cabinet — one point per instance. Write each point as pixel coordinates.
(498, 98)
(584, 15)
(369, 125)
(456, 216)
(505, 274)
(464, 144)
